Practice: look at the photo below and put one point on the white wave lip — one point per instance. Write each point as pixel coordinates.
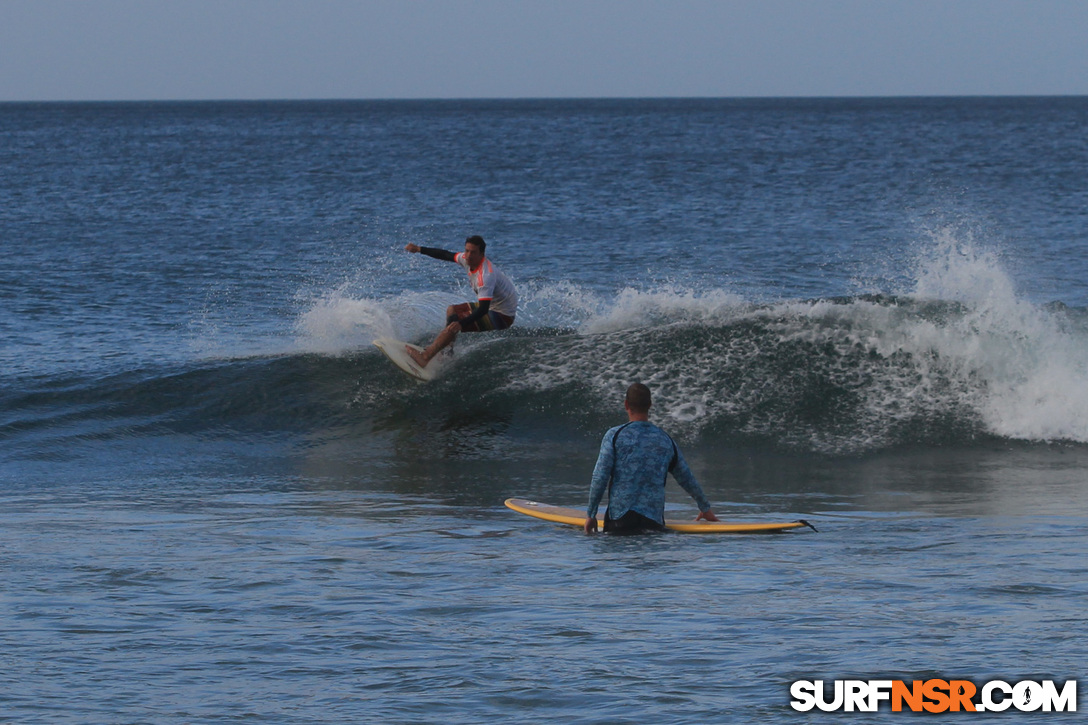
(339, 323)
(1035, 368)
(1021, 368)
(959, 341)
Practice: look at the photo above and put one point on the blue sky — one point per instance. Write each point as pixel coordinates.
(280, 49)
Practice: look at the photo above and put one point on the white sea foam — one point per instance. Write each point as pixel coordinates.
(339, 323)
(959, 343)
(632, 309)
(1035, 368)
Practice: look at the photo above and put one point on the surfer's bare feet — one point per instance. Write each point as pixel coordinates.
(417, 356)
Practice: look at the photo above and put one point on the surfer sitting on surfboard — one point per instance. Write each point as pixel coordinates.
(497, 299)
(632, 465)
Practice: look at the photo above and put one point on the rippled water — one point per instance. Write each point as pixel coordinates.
(219, 503)
(327, 604)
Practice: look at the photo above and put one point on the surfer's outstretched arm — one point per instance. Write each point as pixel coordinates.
(431, 252)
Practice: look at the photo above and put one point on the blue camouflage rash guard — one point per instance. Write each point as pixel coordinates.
(636, 457)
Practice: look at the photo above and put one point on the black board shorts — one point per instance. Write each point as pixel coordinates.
(631, 522)
(491, 321)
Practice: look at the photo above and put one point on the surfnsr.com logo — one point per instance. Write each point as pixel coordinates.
(934, 696)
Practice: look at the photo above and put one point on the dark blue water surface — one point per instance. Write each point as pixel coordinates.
(219, 502)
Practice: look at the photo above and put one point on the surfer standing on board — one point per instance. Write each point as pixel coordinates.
(497, 302)
(633, 463)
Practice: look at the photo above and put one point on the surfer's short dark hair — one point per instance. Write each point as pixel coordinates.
(638, 398)
(477, 241)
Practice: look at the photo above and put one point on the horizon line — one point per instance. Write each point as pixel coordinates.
(431, 99)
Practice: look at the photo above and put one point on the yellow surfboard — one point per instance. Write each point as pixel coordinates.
(574, 517)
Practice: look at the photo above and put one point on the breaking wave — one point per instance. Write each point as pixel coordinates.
(956, 357)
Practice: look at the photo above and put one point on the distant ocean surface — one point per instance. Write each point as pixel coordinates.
(220, 503)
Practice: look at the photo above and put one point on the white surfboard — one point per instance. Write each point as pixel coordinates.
(394, 350)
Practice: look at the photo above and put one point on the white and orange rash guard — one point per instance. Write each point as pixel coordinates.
(489, 283)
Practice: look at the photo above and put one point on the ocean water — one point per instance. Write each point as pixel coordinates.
(219, 502)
